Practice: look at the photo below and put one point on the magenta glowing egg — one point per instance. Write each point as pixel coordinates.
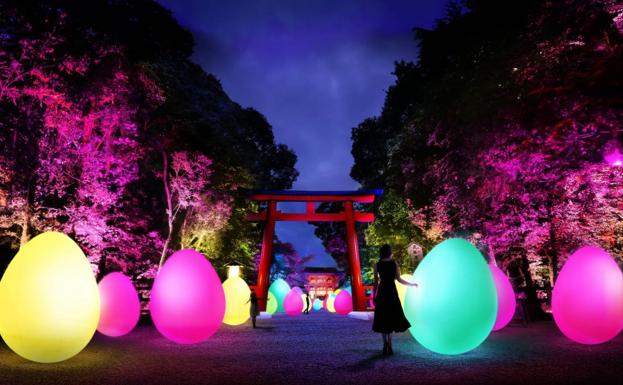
(293, 303)
(343, 303)
(506, 298)
(119, 305)
(587, 300)
(187, 302)
(614, 158)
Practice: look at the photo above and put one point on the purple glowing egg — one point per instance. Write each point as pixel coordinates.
(293, 303)
(119, 305)
(587, 300)
(506, 298)
(298, 289)
(187, 302)
(343, 303)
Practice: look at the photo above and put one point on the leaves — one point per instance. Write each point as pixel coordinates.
(498, 135)
(90, 98)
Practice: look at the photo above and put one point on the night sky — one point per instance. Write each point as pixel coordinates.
(315, 69)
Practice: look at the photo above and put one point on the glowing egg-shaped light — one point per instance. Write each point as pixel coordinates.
(50, 300)
(614, 157)
(1, 307)
(587, 300)
(329, 303)
(298, 289)
(293, 303)
(317, 304)
(455, 306)
(271, 305)
(187, 301)
(506, 298)
(343, 303)
(120, 306)
(237, 294)
(402, 289)
(280, 289)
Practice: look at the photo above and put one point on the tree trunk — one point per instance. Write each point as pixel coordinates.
(553, 256)
(532, 301)
(25, 219)
(101, 267)
(167, 192)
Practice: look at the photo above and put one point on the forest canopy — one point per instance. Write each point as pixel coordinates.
(112, 135)
(503, 132)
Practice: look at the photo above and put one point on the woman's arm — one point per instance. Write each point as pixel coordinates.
(399, 278)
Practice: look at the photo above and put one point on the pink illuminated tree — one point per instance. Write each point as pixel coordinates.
(186, 182)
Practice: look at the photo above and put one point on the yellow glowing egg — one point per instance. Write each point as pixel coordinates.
(53, 300)
(331, 303)
(402, 289)
(237, 294)
(1, 307)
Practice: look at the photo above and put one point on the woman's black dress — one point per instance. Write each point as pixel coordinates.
(388, 314)
(254, 309)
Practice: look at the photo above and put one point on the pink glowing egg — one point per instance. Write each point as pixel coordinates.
(293, 303)
(343, 303)
(187, 302)
(506, 298)
(119, 305)
(587, 300)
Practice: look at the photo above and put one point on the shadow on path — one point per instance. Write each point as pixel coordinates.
(367, 363)
(266, 328)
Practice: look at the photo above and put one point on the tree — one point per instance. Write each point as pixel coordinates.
(109, 133)
(497, 135)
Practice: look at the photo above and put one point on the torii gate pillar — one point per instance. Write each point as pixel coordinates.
(266, 255)
(359, 297)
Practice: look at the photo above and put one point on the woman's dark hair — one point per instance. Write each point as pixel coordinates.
(385, 252)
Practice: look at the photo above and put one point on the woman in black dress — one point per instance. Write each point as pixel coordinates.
(388, 314)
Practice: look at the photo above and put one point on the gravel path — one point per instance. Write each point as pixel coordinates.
(324, 349)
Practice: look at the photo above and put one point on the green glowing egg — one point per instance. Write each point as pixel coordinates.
(271, 305)
(455, 306)
(280, 289)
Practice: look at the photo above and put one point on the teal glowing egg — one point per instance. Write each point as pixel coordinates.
(317, 304)
(455, 306)
(280, 289)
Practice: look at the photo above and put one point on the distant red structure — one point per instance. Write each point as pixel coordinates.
(271, 215)
(321, 281)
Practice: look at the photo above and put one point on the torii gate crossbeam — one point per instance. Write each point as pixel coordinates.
(349, 216)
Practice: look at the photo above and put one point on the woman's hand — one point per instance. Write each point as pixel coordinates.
(414, 284)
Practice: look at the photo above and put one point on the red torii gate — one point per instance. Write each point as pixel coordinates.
(348, 215)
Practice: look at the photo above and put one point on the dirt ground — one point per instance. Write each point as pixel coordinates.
(324, 348)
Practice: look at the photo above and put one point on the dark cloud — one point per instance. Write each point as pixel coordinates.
(315, 69)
